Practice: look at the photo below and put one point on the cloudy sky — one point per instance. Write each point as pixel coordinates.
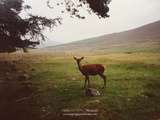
(124, 15)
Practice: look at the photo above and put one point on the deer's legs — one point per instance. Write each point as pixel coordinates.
(86, 80)
(104, 78)
(89, 82)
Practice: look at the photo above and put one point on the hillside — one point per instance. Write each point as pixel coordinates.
(145, 38)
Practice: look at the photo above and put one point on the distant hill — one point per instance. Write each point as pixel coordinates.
(145, 38)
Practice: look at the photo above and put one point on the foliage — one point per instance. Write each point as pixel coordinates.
(99, 7)
(14, 29)
(17, 32)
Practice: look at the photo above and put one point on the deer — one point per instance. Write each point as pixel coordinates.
(90, 70)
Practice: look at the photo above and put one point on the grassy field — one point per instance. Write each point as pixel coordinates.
(55, 84)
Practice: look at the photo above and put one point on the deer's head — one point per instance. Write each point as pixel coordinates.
(78, 60)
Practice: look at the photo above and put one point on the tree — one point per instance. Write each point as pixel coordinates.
(17, 32)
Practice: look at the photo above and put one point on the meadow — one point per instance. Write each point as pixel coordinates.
(55, 84)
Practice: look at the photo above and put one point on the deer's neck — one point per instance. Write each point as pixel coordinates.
(79, 66)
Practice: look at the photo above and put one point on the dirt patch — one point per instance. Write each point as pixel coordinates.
(16, 92)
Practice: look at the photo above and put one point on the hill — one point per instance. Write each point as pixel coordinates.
(145, 38)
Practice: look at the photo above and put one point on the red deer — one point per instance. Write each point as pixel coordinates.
(91, 70)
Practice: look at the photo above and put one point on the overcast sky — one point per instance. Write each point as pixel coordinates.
(124, 15)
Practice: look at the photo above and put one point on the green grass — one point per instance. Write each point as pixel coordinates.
(132, 93)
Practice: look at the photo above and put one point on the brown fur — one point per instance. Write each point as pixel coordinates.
(90, 70)
(93, 69)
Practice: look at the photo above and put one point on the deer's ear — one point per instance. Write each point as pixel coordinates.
(82, 57)
(74, 58)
